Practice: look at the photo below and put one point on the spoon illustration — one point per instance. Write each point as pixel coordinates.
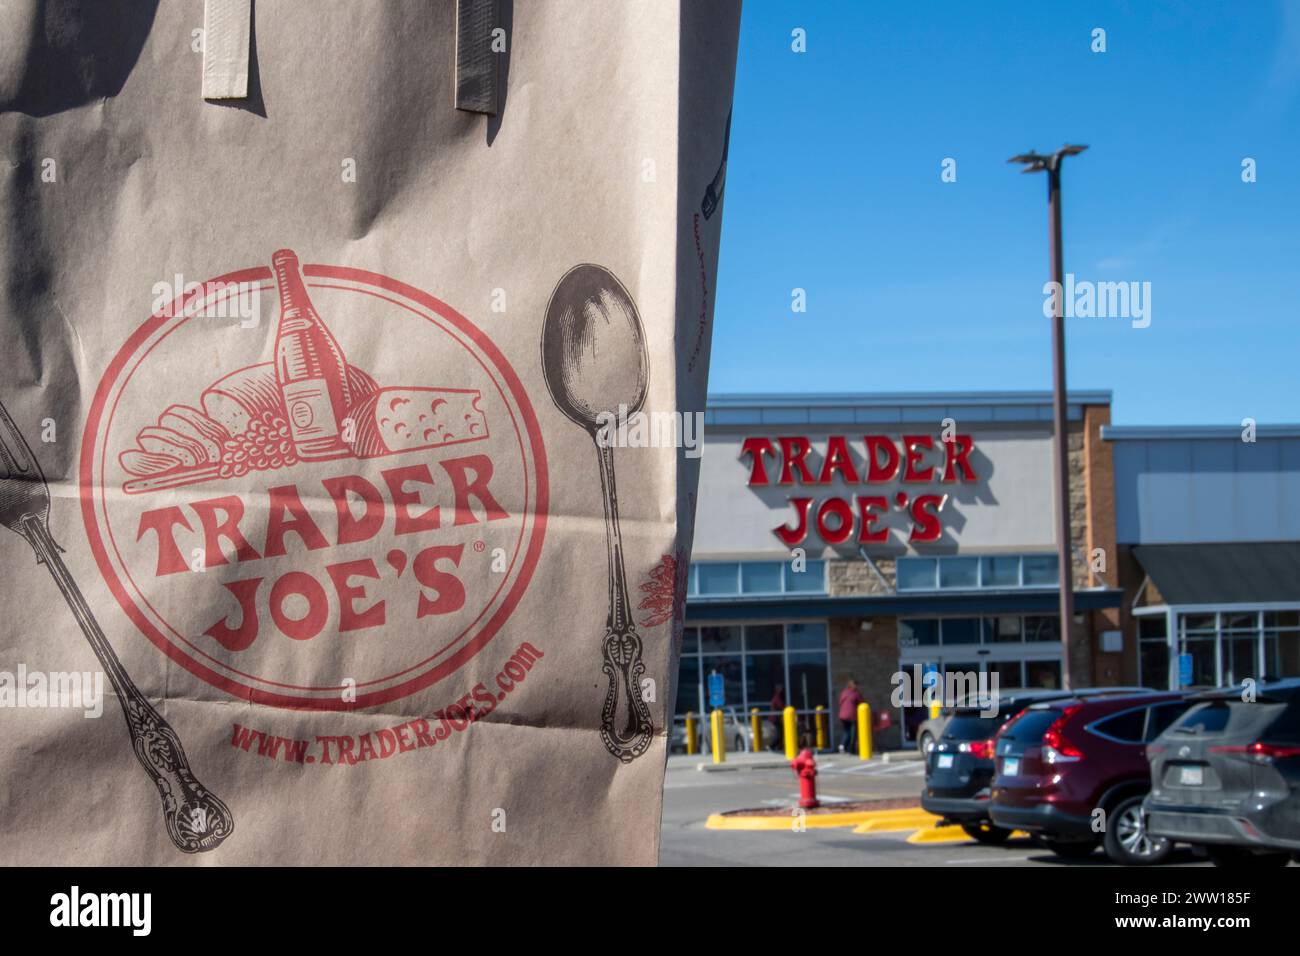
(595, 364)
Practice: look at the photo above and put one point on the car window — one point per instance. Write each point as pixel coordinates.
(971, 727)
(1234, 717)
(1031, 725)
(1209, 718)
(1126, 726)
(1285, 728)
(1162, 715)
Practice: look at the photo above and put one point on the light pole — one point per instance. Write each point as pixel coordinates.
(1035, 162)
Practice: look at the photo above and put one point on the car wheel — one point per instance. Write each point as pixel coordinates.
(1239, 857)
(987, 833)
(925, 742)
(1069, 849)
(1128, 842)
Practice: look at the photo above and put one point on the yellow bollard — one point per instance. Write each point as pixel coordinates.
(791, 734)
(934, 710)
(691, 731)
(864, 731)
(756, 728)
(820, 714)
(719, 745)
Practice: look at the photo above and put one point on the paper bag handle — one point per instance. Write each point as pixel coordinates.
(227, 42)
(476, 61)
(227, 29)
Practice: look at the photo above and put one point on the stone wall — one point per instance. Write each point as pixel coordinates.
(870, 658)
(853, 577)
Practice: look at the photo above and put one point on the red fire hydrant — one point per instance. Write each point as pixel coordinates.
(806, 767)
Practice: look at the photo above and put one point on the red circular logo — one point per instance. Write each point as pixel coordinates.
(313, 486)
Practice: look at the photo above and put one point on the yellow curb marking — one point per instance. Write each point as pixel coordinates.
(914, 815)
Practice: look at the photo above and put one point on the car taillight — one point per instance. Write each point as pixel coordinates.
(1261, 751)
(1056, 749)
(982, 749)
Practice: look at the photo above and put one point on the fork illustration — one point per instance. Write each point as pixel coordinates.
(196, 819)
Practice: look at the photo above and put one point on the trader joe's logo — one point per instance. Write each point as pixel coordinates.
(330, 510)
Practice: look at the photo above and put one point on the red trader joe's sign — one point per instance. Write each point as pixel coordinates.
(861, 518)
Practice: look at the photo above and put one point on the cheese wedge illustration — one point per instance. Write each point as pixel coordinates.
(403, 419)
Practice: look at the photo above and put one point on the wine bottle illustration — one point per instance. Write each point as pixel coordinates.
(310, 368)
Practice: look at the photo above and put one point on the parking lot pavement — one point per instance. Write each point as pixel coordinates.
(691, 795)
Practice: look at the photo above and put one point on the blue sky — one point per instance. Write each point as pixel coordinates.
(913, 284)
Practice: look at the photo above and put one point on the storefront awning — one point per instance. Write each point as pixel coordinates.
(1246, 573)
(790, 607)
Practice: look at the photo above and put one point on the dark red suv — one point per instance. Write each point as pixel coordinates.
(1061, 761)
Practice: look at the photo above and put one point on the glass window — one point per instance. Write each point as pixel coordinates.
(1001, 572)
(1003, 630)
(959, 572)
(1043, 628)
(1010, 674)
(690, 640)
(1240, 657)
(764, 637)
(1209, 718)
(1241, 622)
(1154, 664)
(692, 584)
(715, 639)
(1128, 726)
(969, 725)
(1285, 661)
(1203, 623)
(1043, 674)
(717, 578)
(917, 574)
(688, 686)
(1152, 626)
(760, 577)
(1279, 619)
(918, 631)
(1040, 570)
(1031, 724)
(809, 680)
(805, 637)
(811, 579)
(961, 630)
(1163, 715)
(764, 673)
(1203, 663)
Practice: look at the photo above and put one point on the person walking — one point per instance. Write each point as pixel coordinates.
(849, 700)
(777, 716)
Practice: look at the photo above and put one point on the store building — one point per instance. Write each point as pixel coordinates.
(1208, 523)
(860, 536)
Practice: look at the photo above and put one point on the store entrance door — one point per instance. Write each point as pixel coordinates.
(1016, 666)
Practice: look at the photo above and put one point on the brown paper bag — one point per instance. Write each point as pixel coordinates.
(315, 318)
